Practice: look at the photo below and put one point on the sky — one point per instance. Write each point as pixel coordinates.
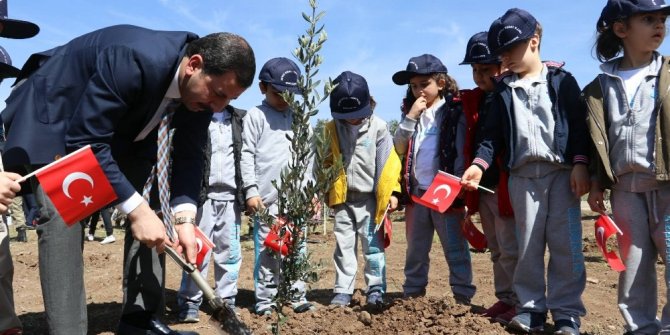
(374, 38)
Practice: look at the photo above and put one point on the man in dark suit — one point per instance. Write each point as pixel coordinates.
(109, 88)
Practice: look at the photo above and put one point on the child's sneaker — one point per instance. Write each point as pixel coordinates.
(90, 237)
(375, 298)
(497, 309)
(565, 327)
(230, 304)
(109, 239)
(341, 299)
(13, 331)
(462, 300)
(189, 314)
(506, 317)
(303, 306)
(265, 311)
(410, 295)
(528, 322)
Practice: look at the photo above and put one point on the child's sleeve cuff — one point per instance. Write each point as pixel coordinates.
(580, 159)
(480, 163)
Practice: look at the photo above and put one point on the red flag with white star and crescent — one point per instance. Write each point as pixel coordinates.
(76, 185)
(441, 193)
(604, 228)
(204, 245)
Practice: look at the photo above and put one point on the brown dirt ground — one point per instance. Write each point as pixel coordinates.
(437, 313)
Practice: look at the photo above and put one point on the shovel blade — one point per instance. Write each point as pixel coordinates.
(225, 320)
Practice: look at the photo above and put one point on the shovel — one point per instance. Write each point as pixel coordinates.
(224, 317)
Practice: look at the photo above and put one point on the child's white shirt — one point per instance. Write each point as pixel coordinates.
(426, 142)
(632, 79)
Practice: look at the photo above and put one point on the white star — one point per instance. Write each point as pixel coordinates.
(87, 200)
(435, 201)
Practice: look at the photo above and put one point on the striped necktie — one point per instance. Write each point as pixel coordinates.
(160, 170)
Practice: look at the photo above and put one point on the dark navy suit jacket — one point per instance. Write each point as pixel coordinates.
(102, 89)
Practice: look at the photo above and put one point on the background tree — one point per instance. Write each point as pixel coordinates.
(393, 125)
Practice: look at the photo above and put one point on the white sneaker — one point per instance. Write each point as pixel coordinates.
(109, 239)
(90, 237)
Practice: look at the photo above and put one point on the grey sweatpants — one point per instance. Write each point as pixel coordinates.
(220, 221)
(421, 225)
(8, 318)
(644, 219)
(266, 267)
(353, 220)
(548, 216)
(500, 235)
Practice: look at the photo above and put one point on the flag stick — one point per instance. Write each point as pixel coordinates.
(385, 213)
(459, 179)
(613, 224)
(24, 178)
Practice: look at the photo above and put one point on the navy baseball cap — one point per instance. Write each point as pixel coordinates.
(514, 26)
(282, 73)
(6, 68)
(350, 99)
(419, 65)
(478, 51)
(620, 9)
(15, 28)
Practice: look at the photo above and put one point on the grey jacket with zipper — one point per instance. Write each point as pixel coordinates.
(598, 124)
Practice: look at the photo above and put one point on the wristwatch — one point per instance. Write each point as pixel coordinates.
(184, 219)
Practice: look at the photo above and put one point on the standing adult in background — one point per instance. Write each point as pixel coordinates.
(30, 210)
(92, 221)
(109, 89)
(9, 322)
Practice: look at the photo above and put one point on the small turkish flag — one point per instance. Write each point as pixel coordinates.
(204, 245)
(604, 228)
(274, 241)
(441, 193)
(388, 230)
(476, 238)
(76, 185)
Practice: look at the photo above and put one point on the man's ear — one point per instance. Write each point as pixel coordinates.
(263, 86)
(194, 64)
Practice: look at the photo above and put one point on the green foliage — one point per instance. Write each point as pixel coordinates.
(297, 189)
(393, 126)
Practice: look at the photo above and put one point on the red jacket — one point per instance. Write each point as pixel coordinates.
(472, 100)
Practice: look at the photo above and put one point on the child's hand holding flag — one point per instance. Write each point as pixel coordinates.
(443, 191)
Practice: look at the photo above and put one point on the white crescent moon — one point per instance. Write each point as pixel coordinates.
(71, 178)
(447, 188)
(600, 235)
(198, 243)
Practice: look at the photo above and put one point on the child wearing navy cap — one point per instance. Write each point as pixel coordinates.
(494, 210)
(536, 119)
(628, 107)
(430, 136)
(266, 150)
(364, 190)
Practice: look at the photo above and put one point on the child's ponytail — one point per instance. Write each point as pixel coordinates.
(608, 45)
